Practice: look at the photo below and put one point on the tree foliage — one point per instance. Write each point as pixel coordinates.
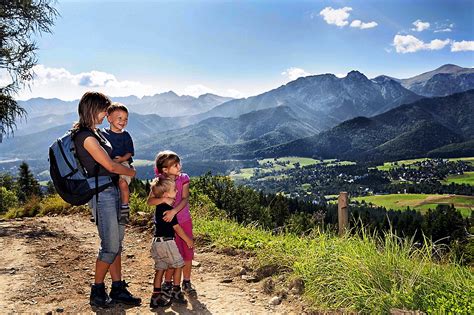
(27, 185)
(20, 21)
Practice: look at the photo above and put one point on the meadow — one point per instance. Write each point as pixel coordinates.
(281, 164)
(368, 274)
(421, 202)
(389, 165)
(466, 178)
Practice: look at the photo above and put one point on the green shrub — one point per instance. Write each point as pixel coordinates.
(29, 209)
(362, 273)
(201, 206)
(138, 204)
(54, 204)
(8, 199)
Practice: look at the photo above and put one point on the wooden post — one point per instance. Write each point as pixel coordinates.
(343, 212)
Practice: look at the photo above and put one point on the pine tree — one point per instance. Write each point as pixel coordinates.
(27, 185)
(20, 20)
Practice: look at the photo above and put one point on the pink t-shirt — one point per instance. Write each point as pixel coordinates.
(184, 215)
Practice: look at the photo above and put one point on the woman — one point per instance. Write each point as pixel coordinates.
(93, 151)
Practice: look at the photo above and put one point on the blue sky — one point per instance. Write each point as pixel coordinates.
(243, 48)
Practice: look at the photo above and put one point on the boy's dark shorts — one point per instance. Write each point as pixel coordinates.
(166, 255)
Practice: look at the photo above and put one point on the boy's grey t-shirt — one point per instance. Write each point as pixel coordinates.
(85, 158)
(122, 143)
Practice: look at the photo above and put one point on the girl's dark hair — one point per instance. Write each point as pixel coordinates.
(91, 104)
(165, 159)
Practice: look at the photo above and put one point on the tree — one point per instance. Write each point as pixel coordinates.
(20, 20)
(8, 199)
(27, 185)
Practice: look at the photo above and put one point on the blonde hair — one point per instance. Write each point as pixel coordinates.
(161, 185)
(90, 105)
(165, 159)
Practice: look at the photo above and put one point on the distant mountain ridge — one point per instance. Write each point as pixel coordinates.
(445, 80)
(321, 116)
(327, 97)
(167, 104)
(411, 130)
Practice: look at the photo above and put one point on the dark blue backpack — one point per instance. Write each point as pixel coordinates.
(70, 179)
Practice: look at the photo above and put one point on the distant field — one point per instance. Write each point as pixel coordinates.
(388, 165)
(246, 173)
(422, 202)
(466, 178)
(140, 163)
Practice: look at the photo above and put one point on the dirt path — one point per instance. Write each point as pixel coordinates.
(46, 266)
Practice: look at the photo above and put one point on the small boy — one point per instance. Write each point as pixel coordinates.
(122, 151)
(164, 251)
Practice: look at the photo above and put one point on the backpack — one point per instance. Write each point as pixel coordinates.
(69, 176)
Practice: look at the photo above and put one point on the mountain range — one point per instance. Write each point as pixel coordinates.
(322, 116)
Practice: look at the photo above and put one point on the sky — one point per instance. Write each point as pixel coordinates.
(242, 48)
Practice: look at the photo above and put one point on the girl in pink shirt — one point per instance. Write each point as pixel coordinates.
(168, 165)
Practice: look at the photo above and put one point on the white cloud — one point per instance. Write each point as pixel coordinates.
(362, 25)
(443, 27)
(420, 26)
(336, 16)
(409, 44)
(294, 73)
(464, 45)
(443, 30)
(198, 89)
(61, 83)
(234, 93)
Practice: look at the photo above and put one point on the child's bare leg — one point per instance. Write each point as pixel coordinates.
(158, 278)
(169, 274)
(188, 264)
(124, 191)
(177, 276)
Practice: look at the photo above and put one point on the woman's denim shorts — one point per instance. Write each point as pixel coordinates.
(106, 215)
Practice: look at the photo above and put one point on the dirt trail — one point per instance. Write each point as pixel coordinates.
(46, 266)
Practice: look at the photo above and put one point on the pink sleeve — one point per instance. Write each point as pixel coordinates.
(185, 178)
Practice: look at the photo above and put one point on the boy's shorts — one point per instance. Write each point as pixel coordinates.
(166, 254)
(126, 178)
(186, 253)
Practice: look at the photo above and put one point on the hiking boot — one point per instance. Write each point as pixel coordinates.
(178, 297)
(166, 288)
(120, 294)
(189, 289)
(99, 297)
(159, 300)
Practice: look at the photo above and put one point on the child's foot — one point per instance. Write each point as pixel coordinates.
(159, 300)
(124, 214)
(166, 288)
(177, 296)
(189, 289)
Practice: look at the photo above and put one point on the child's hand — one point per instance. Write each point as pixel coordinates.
(169, 215)
(190, 243)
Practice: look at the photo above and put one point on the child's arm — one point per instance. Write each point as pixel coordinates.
(179, 230)
(169, 214)
(154, 201)
(123, 158)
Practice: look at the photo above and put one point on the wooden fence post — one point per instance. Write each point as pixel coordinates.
(342, 212)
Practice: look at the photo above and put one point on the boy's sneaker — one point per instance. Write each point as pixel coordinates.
(166, 288)
(120, 294)
(159, 300)
(189, 289)
(99, 297)
(178, 297)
